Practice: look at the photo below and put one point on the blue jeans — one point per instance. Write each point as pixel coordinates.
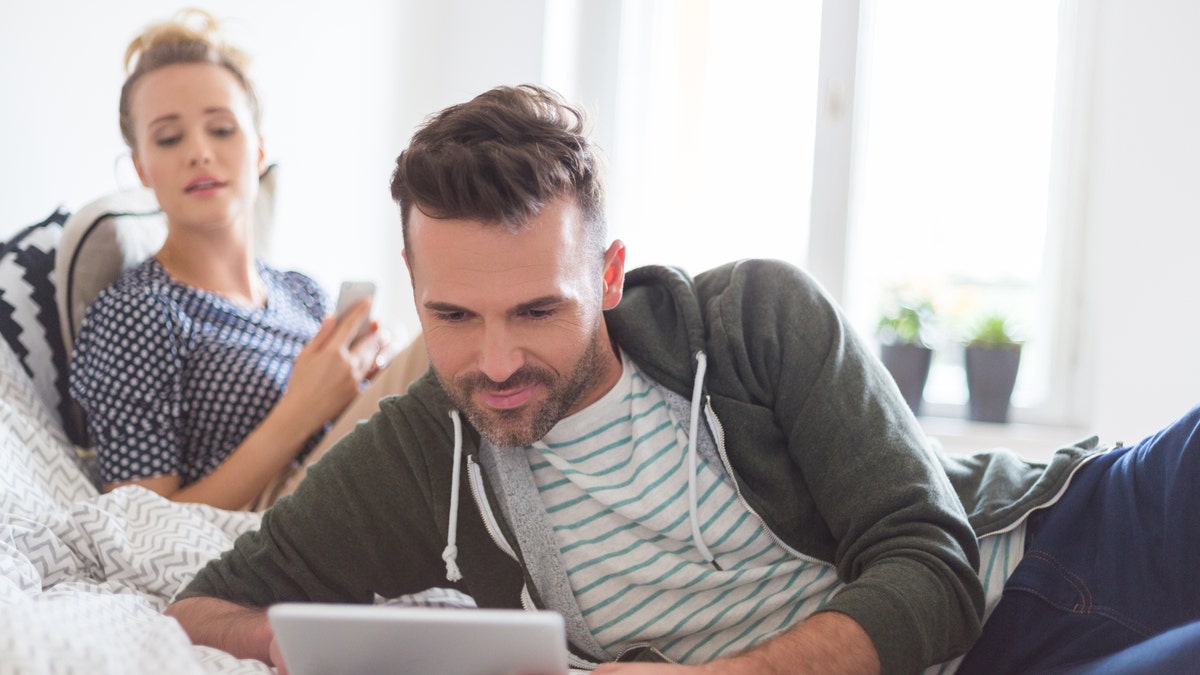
(1110, 581)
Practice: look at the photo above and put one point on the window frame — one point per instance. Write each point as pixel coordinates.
(834, 164)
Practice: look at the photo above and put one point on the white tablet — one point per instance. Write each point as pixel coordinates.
(323, 638)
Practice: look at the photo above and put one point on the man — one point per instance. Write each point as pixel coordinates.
(710, 471)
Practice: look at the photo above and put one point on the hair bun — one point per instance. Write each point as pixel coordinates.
(188, 26)
(191, 36)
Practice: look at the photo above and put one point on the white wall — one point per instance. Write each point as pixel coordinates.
(1142, 239)
(343, 93)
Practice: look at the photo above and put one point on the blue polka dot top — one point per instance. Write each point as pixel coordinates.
(172, 378)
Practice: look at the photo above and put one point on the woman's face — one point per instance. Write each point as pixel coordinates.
(196, 144)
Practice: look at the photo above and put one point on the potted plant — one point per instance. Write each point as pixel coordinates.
(903, 333)
(992, 358)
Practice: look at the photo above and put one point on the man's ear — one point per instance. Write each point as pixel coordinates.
(614, 274)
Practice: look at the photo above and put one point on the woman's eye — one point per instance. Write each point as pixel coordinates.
(222, 132)
(168, 141)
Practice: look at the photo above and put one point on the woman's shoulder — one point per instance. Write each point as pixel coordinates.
(298, 285)
(139, 285)
(135, 304)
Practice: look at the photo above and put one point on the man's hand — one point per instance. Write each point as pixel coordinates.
(826, 642)
(277, 657)
(241, 631)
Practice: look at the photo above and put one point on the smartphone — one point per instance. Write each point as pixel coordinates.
(350, 293)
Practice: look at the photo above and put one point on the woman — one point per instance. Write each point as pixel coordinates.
(205, 374)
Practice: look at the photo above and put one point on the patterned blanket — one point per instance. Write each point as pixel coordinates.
(84, 577)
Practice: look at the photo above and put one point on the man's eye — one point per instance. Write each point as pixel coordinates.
(537, 314)
(450, 317)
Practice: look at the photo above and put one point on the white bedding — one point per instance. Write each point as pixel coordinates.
(84, 577)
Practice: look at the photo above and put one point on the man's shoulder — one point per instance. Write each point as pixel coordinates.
(767, 276)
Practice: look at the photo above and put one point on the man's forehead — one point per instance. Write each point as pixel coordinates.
(554, 232)
(474, 265)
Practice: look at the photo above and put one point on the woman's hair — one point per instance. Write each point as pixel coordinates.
(500, 158)
(192, 36)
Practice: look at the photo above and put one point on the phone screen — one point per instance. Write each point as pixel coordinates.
(350, 293)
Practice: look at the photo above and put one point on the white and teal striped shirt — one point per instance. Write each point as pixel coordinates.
(613, 478)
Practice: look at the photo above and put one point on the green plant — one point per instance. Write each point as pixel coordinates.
(993, 331)
(907, 321)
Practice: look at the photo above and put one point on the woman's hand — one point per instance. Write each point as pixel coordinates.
(330, 370)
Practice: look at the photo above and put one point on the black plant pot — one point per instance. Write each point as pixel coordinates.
(991, 375)
(909, 366)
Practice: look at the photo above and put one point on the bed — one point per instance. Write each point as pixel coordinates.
(84, 576)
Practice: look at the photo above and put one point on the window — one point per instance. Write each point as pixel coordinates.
(950, 188)
(710, 143)
(932, 167)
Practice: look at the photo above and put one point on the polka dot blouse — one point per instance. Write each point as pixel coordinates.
(172, 378)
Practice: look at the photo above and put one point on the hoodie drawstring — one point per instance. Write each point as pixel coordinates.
(693, 431)
(450, 553)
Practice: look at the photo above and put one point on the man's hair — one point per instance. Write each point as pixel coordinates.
(500, 158)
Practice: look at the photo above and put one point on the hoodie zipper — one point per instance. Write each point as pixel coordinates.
(719, 433)
(475, 480)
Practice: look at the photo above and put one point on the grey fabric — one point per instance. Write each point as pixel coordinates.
(521, 507)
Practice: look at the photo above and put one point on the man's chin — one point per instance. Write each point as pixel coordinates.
(506, 427)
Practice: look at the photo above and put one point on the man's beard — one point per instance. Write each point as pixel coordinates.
(524, 425)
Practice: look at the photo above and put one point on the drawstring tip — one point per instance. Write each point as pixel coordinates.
(716, 566)
(450, 555)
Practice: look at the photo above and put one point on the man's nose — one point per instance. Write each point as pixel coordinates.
(499, 356)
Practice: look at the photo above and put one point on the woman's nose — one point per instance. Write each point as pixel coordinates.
(199, 153)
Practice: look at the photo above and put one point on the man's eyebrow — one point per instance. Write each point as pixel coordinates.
(444, 307)
(536, 303)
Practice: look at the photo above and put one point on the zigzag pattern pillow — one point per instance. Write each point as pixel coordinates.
(29, 319)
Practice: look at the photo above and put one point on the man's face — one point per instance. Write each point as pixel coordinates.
(514, 323)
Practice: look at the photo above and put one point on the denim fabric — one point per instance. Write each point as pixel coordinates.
(1110, 582)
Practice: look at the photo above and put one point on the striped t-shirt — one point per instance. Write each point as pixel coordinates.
(613, 479)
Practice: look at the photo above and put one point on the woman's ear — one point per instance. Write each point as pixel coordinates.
(137, 166)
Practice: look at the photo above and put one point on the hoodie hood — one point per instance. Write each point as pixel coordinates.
(664, 297)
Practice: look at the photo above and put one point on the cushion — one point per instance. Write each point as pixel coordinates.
(100, 240)
(29, 318)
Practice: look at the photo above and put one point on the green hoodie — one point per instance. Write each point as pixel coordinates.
(820, 441)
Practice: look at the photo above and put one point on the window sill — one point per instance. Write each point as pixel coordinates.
(1035, 442)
